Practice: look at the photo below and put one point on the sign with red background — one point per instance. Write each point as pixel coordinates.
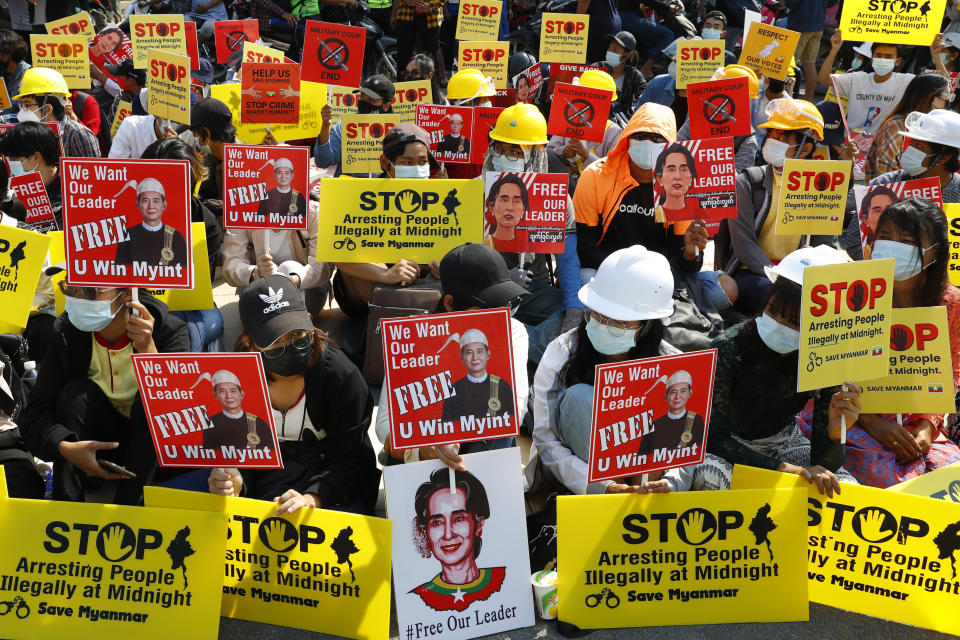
(250, 196)
(333, 53)
(539, 229)
(484, 120)
(29, 190)
(436, 120)
(928, 188)
(719, 108)
(193, 47)
(579, 112)
(229, 36)
(564, 72)
(110, 46)
(710, 194)
(270, 93)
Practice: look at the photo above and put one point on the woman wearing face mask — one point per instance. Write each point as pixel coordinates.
(321, 410)
(620, 62)
(631, 294)
(755, 398)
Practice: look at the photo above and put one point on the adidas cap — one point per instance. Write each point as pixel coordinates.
(270, 307)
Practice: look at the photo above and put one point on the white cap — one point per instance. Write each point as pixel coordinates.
(281, 163)
(473, 335)
(150, 184)
(225, 376)
(940, 126)
(631, 284)
(793, 265)
(680, 377)
(952, 39)
(864, 48)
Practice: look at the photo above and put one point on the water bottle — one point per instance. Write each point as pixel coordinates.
(29, 370)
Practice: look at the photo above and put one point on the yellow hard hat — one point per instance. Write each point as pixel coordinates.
(792, 69)
(468, 84)
(520, 124)
(40, 80)
(788, 114)
(597, 79)
(739, 71)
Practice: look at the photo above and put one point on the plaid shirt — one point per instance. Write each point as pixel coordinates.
(263, 11)
(405, 13)
(78, 141)
(884, 154)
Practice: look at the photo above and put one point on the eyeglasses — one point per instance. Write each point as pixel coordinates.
(300, 344)
(646, 135)
(513, 153)
(84, 293)
(617, 329)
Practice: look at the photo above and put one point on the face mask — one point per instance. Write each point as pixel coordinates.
(856, 64)
(945, 59)
(485, 103)
(365, 107)
(643, 153)
(775, 152)
(711, 34)
(202, 148)
(907, 261)
(776, 336)
(503, 163)
(911, 161)
(607, 343)
(28, 115)
(90, 315)
(291, 362)
(672, 69)
(613, 59)
(421, 171)
(16, 168)
(883, 66)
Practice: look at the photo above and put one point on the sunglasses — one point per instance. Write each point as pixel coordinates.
(83, 293)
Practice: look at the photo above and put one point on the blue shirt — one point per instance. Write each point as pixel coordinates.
(660, 90)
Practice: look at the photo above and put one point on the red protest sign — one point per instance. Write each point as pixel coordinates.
(127, 223)
(229, 36)
(525, 212)
(719, 108)
(528, 83)
(110, 46)
(333, 53)
(54, 126)
(564, 72)
(650, 415)
(193, 48)
(450, 129)
(579, 112)
(695, 179)
(208, 410)
(484, 120)
(270, 93)
(504, 98)
(29, 190)
(427, 361)
(265, 187)
(872, 200)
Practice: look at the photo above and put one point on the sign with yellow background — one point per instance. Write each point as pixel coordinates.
(361, 140)
(409, 95)
(897, 21)
(697, 60)
(342, 100)
(84, 570)
(319, 570)
(813, 197)
(877, 552)
(4, 96)
(156, 31)
(22, 253)
(768, 49)
(78, 24)
(168, 84)
(124, 109)
(253, 52)
(953, 229)
(313, 96)
(682, 558)
(479, 19)
(942, 484)
(386, 219)
(921, 366)
(201, 296)
(70, 55)
(845, 323)
(563, 37)
(490, 58)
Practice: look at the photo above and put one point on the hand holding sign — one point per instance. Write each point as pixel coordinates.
(83, 455)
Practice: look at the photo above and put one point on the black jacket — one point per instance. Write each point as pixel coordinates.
(67, 358)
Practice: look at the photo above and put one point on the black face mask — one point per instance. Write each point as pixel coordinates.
(364, 107)
(289, 363)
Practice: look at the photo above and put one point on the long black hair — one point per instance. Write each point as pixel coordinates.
(924, 219)
(580, 366)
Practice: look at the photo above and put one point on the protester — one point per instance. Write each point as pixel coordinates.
(413, 19)
(375, 96)
(604, 18)
(807, 17)
(621, 63)
(43, 96)
(211, 125)
(14, 54)
(131, 82)
(834, 141)
(714, 27)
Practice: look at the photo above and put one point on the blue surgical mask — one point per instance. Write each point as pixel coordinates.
(911, 161)
(856, 64)
(778, 337)
(906, 257)
(672, 69)
(90, 315)
(503, 163)
(421, 171)
(605, 342)
(711, 34)
(202, 148)
(883, 66)
(945, 59)
(613, 59)
(17, 168)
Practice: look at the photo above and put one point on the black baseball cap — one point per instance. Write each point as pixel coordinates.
(477, 274)
(625, 39)
(406, 132)
(832, 122)
(210, 113)
(378, 87)
(270, 307)
(126, 68)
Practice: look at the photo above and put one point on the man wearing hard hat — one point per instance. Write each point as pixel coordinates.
(234, 427)
(152, 241)
(678, 427)
(43, 97)
(284, 199)
(479, 394)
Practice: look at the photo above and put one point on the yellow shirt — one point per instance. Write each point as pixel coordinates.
(776, 247)
(111, 368)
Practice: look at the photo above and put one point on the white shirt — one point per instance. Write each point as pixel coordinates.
(134, 135)
(870, 101)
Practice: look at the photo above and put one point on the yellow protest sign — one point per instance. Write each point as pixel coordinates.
(768, 49)
(897, 21)
(490, 58)
(69, 55)
(22, 253)
(682, 558)
(168, 84)
(319, 570)
(479, 19)
(845, 323)
(78, 24)
(361, 140)
(813, 196)
(386, 219)
(953, 229)
(342, 100)
(4, 96)
(3, 486)
(877, 552)
(156, 31)
(409, 95)
(942, 484)
(313, 96)
(253, 52)
(124, 109)
(921, 368)
(85, 570)
(201, 296)
(563, 37)
(697, 60)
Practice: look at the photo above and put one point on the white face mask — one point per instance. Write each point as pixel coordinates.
(883, 66)
(711, 34)
(643, 153)
(421, 171)
(775, 152)
(605, 342)
(911, 161)
(503, 163)
(778, 337)
(672, 69)
(28, 115)
(906, 257)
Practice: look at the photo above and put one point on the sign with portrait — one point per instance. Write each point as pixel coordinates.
(579, 112)
(22, 253)
(872, 200)
(333, 53)
(813, 197)
(695, 179)
(270, 92)
(450, 129)
(528, 83)
(168, 86)
(30, 191)
(768, 50)
(67, 54)
(525, 212)
(198, 298)
(719, 108)
(164, 32)
(265, 187)
(460, 569)
(479, 19)
(490, 58)
(208, 410)
(563, 37)
(229, 36)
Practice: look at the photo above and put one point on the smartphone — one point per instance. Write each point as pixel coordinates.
(110, 466)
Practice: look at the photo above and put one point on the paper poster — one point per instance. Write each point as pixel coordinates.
(479, 20)
(270, 93)
(67, 54)
(528, 83)
(484, 121)
(525, 212)
(563, 37)
(872, 200)
(490, 58)
(682, 558)
(193, 51)
(265, 187)
(813, 197)
(342, 101)
(333, 53)
(639, 427)
(450, 130)
(78, 24)
(697, 60)
(313, 96)
(317, 569)
(87, 570)
(253, 52)
(110, 46)
(953, 232)
(768, 50)
(208, 409)
(30, 191)
(845, 323)
(460, 568)
(4, 96)
(939, 484)
(22, 253)
(898, 21)
(564, 73)
(431, 363)
(127, 222)
(196, 299)
(361, 140)
(124, 109)
(719, 108)
(409, 95)
(168, 84)
(229, 36)
(164, 32)
(579, 112)
(695, 179)
(877, 552)
(921, 366)
(503, 98)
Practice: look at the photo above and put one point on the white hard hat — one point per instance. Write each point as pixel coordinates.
(680, 377)
(473, 335)
(940, 126)
(793, 265)
(283, 163)
(631, 284)
(865, 49)
(150, 184)
(225, 376)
